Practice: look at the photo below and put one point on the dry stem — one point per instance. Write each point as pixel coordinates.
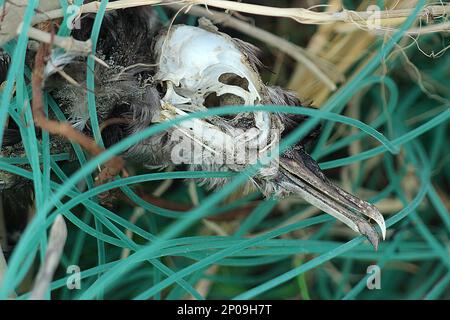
(57, 240)
(82, 48)
(300, 15)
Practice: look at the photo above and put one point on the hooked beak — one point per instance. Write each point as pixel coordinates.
(305, 178)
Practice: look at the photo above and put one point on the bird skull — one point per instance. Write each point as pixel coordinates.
(203, 68)
(200, 67)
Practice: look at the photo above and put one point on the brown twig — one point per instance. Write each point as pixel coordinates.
(113, 167)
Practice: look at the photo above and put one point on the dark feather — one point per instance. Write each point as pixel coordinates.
(279, 96)
(124, 44)
(251, 51)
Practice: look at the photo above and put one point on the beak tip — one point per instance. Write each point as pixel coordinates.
(375, 245)
(374, 240)
(370, 233)
(376, 215)
(382, 224)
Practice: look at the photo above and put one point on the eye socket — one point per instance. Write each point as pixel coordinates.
(211, 100)
(161, 87)
(227, 99)
(233, 79)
